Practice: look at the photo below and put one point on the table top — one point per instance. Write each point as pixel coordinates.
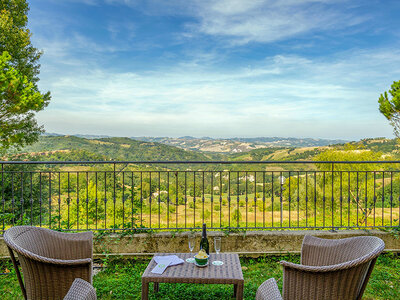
(229, 273)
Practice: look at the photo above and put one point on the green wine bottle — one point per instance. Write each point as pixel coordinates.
(204, 241)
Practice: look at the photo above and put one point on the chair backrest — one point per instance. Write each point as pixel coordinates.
(332, 269)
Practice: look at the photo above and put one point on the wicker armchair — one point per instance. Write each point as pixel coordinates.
(81, 290)
(329, 269)
(50, 260)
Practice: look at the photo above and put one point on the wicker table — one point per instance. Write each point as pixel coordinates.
(229, 273)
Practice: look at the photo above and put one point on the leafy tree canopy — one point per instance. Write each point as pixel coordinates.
(20, 97)
(350, 154)
(390, 107)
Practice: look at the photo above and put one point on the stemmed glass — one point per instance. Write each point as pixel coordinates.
(192, 241)
(217, 247)
(217, 244)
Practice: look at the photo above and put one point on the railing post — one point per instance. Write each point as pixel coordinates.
(332, 198)
(114, 195)
(2, 194)
(50, 200)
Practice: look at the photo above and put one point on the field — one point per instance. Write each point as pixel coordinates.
(122, 280)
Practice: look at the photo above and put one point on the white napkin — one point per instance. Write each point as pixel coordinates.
(174, 260)
(164, 261)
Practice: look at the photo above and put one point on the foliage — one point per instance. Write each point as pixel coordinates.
(114, 148)
(349, 153)
(382, 145)
(70, 155)
(19, 101)
(19, 94)
(390, 107)
(23, 204)
(15, 38)
(342, 186)
(256, 154)
(236, 216)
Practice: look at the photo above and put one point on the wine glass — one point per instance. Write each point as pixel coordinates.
(217, 244)
(217, 247)
(192, 241)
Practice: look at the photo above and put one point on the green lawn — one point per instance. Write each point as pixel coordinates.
(122, 280)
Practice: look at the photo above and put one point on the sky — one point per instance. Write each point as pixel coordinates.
(229, 68)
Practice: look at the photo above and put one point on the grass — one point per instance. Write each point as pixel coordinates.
(122, 280)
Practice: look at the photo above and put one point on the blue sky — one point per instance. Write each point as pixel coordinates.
(292, 68)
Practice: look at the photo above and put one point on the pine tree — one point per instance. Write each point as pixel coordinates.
(19, 94)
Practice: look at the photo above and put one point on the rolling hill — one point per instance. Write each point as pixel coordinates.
(238, 145)
(113, 148)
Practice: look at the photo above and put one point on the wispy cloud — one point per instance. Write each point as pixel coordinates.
(121, 30)
(269, 21)
(215, 68)
(282, 89)
(242, 21)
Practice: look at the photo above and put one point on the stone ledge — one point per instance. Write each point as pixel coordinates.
(250, 243)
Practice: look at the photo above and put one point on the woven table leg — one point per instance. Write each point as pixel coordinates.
(239, 291)
(145, 290)
(156, 287)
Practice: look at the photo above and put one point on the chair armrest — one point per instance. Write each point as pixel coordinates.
(81, 290)
(322, 269)
(54, 261)
(268, 290)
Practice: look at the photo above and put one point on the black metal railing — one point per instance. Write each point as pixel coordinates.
(172, 195)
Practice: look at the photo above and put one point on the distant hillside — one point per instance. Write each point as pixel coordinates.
(237, 145)
(85, 136)
(78, 148)
(114, 148)
(379, 144)
(387, 147)
(286, 154)
(290, 142)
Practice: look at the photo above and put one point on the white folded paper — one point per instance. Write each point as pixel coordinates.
(164, 261)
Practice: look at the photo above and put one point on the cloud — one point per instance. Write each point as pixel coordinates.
(284, 93)
(121, 30)
(86, 2)
(207, 74)
(268, 21)
(242, 21)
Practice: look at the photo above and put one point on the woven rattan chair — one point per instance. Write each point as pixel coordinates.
(329, 269)
(50, 260)
(81, 290)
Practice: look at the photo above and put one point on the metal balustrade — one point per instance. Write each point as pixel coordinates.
(176, 195)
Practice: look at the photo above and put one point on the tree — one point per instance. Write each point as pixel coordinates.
(354, 183)
(19, 101)
(390, 108)
(19, 69)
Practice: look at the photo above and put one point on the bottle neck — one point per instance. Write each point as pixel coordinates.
(204, 231)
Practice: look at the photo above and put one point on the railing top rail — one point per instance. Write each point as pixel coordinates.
(199, 162)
